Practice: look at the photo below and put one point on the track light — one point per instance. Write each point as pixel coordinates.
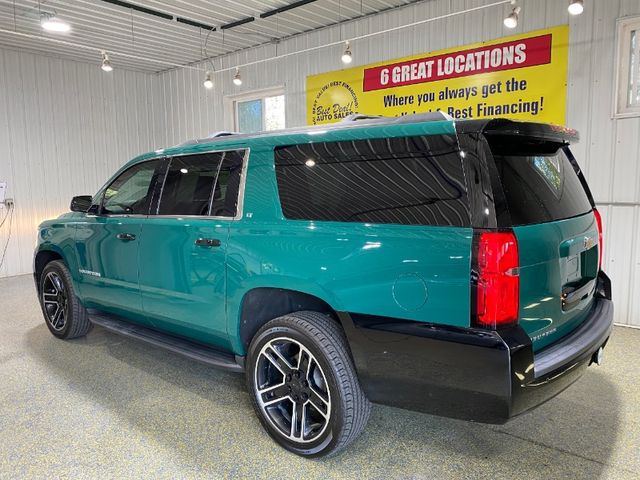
(106, 63)
(576, 7)
(346, 56)
(237, 79)
(208, 81)
(51, 23)
(512, 20)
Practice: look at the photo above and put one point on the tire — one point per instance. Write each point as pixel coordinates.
(63, 313)
(299, 369)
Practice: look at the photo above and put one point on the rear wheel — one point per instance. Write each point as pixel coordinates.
(304, 386)
(63, 313)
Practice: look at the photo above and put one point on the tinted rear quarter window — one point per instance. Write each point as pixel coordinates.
(538, 180)
(414, 180)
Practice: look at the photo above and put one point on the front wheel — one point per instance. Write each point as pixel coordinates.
(63, 313)
(304, 385)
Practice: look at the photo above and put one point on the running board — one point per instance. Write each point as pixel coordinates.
(194, 351)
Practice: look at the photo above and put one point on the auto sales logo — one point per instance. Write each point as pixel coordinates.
(334, 101)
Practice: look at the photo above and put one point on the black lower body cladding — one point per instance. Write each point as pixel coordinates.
(472, 374)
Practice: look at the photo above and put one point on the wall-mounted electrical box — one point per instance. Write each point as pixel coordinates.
(3, 191)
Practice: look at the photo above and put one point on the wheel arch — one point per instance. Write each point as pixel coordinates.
(261, 304)
(42, 258)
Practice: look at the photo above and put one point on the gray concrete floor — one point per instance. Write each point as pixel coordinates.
(108, 407)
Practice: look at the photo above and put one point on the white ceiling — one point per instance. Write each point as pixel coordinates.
(119, 29)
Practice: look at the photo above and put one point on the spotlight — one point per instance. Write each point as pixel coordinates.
(208, 81)
(237, 79)
(106, 63)
(346, 56)
(51, 23)
(512, 20)
(576, 7)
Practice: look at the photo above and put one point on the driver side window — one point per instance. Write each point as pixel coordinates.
(130, 192)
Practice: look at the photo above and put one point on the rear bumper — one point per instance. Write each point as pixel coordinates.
(473, 374)
(562, 363)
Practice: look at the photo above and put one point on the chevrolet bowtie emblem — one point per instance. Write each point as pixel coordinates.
(588, 243)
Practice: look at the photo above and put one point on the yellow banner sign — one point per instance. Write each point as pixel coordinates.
(521, 77)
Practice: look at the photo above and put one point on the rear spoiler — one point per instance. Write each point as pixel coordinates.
(503, 126)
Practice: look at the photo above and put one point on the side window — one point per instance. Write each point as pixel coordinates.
(130, 192)
(189, 184)
(227, 192)
(404, 180)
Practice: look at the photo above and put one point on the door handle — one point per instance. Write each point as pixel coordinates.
(208, 242)
(126, 237)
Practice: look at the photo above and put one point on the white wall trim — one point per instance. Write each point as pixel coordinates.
(635, 327)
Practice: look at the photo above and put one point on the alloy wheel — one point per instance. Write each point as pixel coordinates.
(55, 300)
(292, 390)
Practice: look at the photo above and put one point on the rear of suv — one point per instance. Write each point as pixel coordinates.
(446, 267)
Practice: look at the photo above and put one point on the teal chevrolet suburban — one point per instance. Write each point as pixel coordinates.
(446, 267)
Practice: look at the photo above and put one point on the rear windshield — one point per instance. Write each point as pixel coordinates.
(406, 180)
(539, 183)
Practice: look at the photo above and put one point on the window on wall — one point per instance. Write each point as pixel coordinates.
(258, 113)
(628, 87)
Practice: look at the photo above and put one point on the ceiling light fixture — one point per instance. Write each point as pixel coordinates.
(237, 79)
(51, 23)
(346, 56)
(576, 7)
(208, 81)
(512, 20)
(279, 57)
(106, 63)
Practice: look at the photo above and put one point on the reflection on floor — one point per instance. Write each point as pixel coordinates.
(108, 407)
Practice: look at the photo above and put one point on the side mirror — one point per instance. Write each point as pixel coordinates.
(81, 203)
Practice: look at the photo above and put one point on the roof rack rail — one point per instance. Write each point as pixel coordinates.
(208, 137)
(415, 117)
(424, 117)
(354, 117)
(222, 133)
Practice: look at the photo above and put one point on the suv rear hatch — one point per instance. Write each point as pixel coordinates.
(541, 195)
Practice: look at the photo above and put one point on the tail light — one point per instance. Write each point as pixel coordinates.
(596, 214)
(498, 289)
